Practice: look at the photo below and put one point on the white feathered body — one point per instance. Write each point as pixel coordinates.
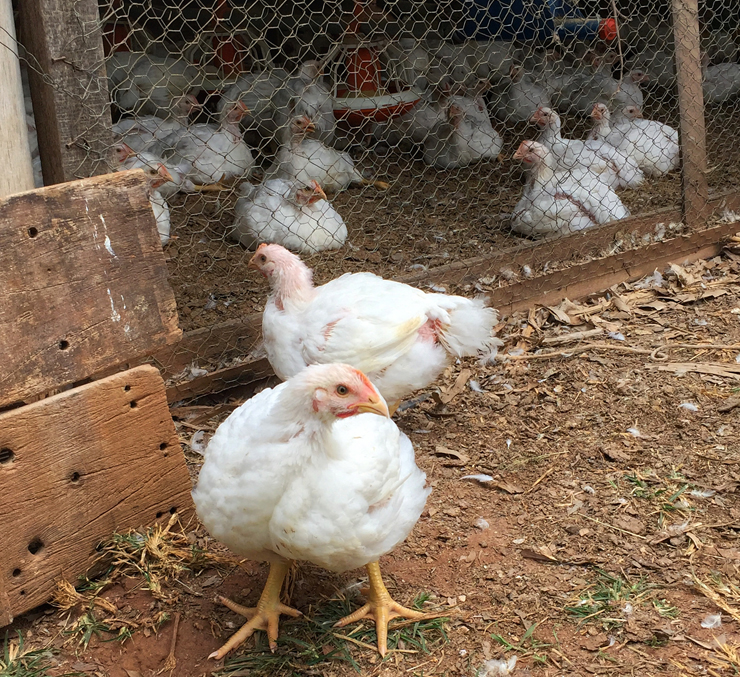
(278, 484)
(311, 160)
(562, 202)
(162, 216)
(653, 145)
(268, 213)
(213, 153)
(401, 337)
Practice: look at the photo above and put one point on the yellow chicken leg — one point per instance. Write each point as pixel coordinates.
(380, 607)
(264, 616)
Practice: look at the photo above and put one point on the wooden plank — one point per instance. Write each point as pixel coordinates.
(691, 106)
(14, 131)
(83, 283)
(221, 380)
(584, 279)
(68, 86)
(74, 469)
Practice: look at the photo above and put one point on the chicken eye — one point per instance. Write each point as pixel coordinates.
(263, 258)
(342, 390)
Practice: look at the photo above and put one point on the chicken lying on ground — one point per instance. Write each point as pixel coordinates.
(303, 158)
(294, 215)
(401, 337)
(262, 490)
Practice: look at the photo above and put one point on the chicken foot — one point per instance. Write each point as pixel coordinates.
(380, 185)
(264, 616)
(380, 607)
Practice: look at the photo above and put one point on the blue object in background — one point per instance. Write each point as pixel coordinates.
(528, 20)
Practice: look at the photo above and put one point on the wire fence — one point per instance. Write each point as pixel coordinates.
(398, 136)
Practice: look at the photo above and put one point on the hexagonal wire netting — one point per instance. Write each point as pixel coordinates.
(410, 118)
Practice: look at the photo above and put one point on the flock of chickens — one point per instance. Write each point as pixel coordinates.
(315, 469)
(289, 117)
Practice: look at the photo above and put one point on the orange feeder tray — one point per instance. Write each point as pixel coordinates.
(362, 97)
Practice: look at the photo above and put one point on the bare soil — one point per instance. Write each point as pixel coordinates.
(612, 491)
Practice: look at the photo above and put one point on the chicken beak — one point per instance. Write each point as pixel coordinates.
(318, 192)
(373, 405)
(164, 173)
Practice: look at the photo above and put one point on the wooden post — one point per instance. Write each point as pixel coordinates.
(68, 87)
(14, 149)
(691, 105)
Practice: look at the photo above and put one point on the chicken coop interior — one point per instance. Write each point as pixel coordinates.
(411, 200)
(524, 154)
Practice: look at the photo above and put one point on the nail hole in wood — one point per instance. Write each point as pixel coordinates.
(159, 514)
(35, 546)
(63, 345)
(163, 446)
(75, 477)
(16, 573)
(33, 232)
(23, 592)
(134, 404)
(126, 388)
(6, 455)
(173, 510)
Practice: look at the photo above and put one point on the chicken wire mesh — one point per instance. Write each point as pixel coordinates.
(396, 136)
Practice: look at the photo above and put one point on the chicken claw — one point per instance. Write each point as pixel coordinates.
(380, 607)
(265, 616)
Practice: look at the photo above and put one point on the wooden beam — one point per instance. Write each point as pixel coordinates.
(83, 283)
(593, 276)
(68, 86)
(74, 469)
(691, 105)
(221, 380)
(14, 149)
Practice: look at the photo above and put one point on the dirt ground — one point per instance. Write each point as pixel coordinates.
(427, 218)
(598, 536)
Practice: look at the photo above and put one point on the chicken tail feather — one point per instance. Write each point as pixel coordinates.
(470, 330)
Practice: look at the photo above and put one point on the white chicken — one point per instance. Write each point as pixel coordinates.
(517, 99)
(653, 145)
(720, 82)
(273, 97)
(213, 153)
(576, 155)
(263, 490)
(466, 136)
(305, 159)
(157, 176)
(130, 159)
(147, 84)
(285, 212)
(557, 203)
(148, 132)
(402, 337)
(628, 172)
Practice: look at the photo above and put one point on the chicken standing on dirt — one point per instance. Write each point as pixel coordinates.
(262, 489)
(401, 337)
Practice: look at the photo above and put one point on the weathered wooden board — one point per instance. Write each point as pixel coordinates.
(691, 105)
(83, 283)
(14, 131)
(69, 87)
(594, 276)
(74, 469)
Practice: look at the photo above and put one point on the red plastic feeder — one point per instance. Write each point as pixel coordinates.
(360, 94)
